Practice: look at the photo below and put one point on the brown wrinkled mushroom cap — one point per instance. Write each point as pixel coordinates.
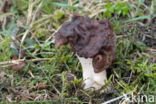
(90, 39)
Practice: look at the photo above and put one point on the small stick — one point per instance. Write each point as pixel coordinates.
(120, 36)
(151, 49)
(21, 60)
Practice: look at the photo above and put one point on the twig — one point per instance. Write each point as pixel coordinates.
(21, 60)
(120, 36)
(151, 49)
(117, 98)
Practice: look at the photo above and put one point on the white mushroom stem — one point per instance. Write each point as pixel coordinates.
(90, 78)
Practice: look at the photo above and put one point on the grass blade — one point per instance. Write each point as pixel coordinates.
(63, 5)
(137, 19)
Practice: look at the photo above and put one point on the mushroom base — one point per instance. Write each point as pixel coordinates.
(90, 78)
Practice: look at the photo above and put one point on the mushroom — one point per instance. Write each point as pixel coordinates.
(93, 41)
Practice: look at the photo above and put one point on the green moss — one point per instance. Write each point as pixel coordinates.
(5, 53)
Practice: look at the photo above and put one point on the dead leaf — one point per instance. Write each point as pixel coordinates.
(18, 67)
(15, 58)
(8, 98)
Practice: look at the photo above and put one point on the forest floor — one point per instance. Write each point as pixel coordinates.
(33, 70)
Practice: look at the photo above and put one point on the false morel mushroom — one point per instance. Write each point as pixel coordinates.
(93, 41)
